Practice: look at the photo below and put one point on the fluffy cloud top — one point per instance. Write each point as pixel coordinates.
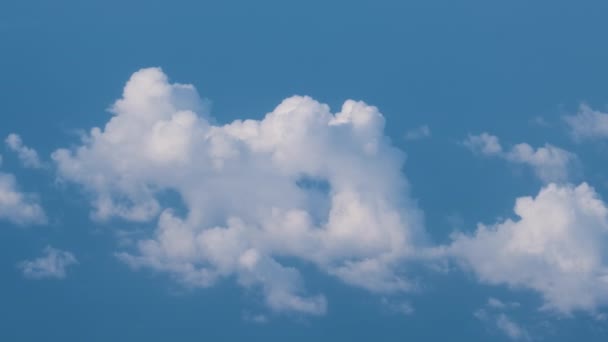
(302, 184)
(556, 247)
(588, 124)
(53, 264)
(27, 156)
(550, 163)
(18, 207)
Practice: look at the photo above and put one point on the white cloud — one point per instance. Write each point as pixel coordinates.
(587, 123)
(53, 264)
(550, 163)
(398, 307)
(485, 144)
(555, 247)
(498, 304)
(27, 156)
(18, 207)
(302, 183)
(510, 328)
(255, 318)
(500, 320)
(418, 133)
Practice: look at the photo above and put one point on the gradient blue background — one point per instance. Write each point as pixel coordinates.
(459, 66)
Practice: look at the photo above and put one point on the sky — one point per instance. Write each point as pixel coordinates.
(331, 171)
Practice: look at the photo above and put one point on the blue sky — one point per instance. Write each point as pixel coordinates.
(320, 217)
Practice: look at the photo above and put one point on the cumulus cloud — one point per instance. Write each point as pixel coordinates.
(302, 183)
(53, 264)
(550, 163)
(587, 123)
(18, 207)
(418, 133)
(28, 156)
(556, 246)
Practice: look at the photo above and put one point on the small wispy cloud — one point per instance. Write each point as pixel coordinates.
(511, 329)
(256, 318)
(501, 322)
(52, 264)
(549, 163)
(27, 155)
(18, 207)
(587, 123)
(498, 304)
(398, 306)
(418, 133)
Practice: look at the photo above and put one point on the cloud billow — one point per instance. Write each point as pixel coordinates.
(242, 186)
(556, 247)
(322, 188)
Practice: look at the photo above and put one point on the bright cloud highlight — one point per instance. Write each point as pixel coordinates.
(326, 189)
(556, 246)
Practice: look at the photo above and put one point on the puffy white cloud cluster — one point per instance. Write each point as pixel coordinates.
(302, 184)
(53, 264)
(588, 123)
(18, 207)
(550, 163)
(556, 246)
(28, 156)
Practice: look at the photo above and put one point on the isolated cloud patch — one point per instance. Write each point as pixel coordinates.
(549, 163)
(326, 189)
(556, 247)
(588, 124)
(28, 156)
(418, 133)
(53, 264)
(503, 323)
(18, 207)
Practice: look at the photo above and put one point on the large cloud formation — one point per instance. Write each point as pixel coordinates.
(301, 184)
(556, 246)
